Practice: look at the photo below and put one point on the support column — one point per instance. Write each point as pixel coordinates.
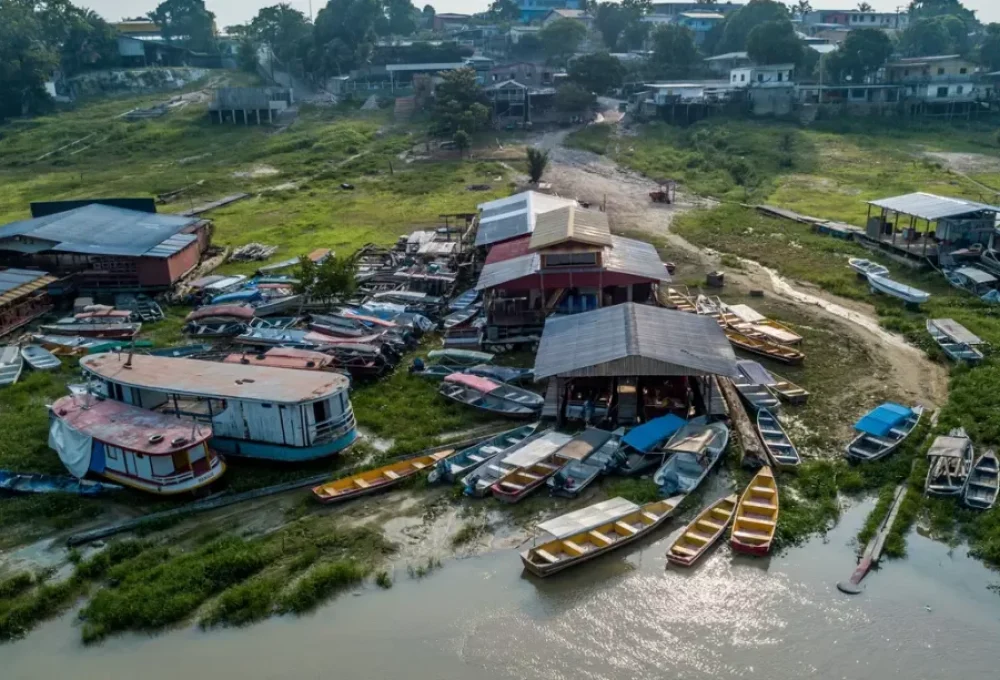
(258, 116)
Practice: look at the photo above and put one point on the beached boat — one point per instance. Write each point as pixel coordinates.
(463, 358)
(460, 317)
(984, 482)
(554, 556)
(749, 321)
(21, 482)
(955, 340)
(950, 458)
(864, 268)
(538, 447)
(780, 448)
(756, 517)
(11, 365)
(901, 291)
(576, 475)
(518, 484)
(677, 298)
(755, 394)
(708, 306)
(506, 374)
(491, 396)
(39, 358)
(218, 321)
(92, 327)
(694, 450)
(882, 430)
(378, 479)
(788, 391)
(640, 451)
(702, 533)
(181, 351)
(465, 461)
(771, 350)
(66, 345)
(145, 450)
(971, 279)
(464, 300)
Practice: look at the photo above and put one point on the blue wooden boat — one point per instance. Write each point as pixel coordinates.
(882, 430)
(780, 448)
(866, 268)
(955, 340)
(640, 450)
(467, 460)
(464, 300)
(465, 358)
(901, 291)
(695, 449)
(530, 451)
(576, 475)
(39, 358)
(20, 482)
(984, 482)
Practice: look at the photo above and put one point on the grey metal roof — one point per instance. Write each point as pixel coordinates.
(498, 273)
(15, 278)
(172, 245)
(976, 274)
(571, 223)
(729, 55)
(104, 230)
(956, 331)
(628, 256)
(434, 66)
(633, 339)
(514, 216)
(930, 206)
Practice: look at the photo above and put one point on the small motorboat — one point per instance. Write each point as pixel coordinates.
(971, 279)
(901, 291)
(764, 348)
(463, 358)
(66, 345)
(984, 482)
(788, 391)
(467, 460)
(780, 448)
(11, 365)
(698, 536)
(554, 556)
(753, 384)
(756, 518)
(478, 482)
(92, 327)
(640, 451)
(577, 475)
(677, 298)
(19, 482)
(506, 374)
(955, 340)
(491, 396)
(882, 430)
(865, 268)
(378, 479)
(695, 449)
(464, 300)
(460, 317)
(517, 484)
(39, 358)
(950, 458)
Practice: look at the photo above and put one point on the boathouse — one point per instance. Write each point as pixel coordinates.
(23, 297)
(255, 411)
(569, 263)
(631, 363)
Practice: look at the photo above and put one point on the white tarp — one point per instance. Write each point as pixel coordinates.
(587, 518)
(73, 447)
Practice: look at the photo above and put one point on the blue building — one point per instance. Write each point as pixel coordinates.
(532, 10)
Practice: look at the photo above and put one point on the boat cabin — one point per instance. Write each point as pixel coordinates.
(255, 411)
(132, 446)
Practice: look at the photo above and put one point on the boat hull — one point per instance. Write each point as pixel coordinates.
(187, 486)
(748, 549)
(512, 497)
(284, 454)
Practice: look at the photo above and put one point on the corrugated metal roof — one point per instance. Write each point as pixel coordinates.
(15, 278)
(930, 206)
(171, 246)
(571, 223)
(976, 274)
(514, 216)
(628, 256)
(957, 331)
(516, 247)
(498, 273)
(633, 339)
(101, 230)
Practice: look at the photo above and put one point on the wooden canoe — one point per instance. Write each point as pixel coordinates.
(788, 391)
(519, 483)
(677, 298)
(378, 479)
(770, 350)
(780, 449)
(984, 483)
(698, 536)
(756, 515)
(554, 556)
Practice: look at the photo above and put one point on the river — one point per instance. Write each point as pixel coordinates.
(620, 617)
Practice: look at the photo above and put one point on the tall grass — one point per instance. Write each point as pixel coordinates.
(321, 583)
(244, 603)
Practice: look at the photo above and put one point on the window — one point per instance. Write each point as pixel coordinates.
(960, 89)
(872, 18)
(743, 77)
(942, 92)
(760, 77)
(111, 453)
(906, 72)
(780, 76)
(963, 70)
(570, 259)
(321, 411)
(163, 466)
(940, 70)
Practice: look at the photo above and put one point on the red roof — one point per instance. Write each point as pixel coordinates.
(508, 250)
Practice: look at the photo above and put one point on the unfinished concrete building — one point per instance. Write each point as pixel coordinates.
(249, 105)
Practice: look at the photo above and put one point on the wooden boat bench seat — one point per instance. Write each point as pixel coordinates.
(625, 528)
(763, 489)
(683, 551)
(696, 536)
(546, 555)
(758, 519)
(759, 504)
(547, 466)
(710, 525)
(419, 466)
(574, 547)
(529, 475)
(476, 459)
(391, 475)
(722, 513)
(650, 516)
(490, 450)
(362, 483)
(601, 537)
(512, 485)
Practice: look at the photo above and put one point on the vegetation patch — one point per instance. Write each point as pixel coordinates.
(244, 604)
(468, 532)
(321, 583)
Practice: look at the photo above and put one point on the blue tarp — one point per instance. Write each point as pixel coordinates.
(880, 420)
(648, 435)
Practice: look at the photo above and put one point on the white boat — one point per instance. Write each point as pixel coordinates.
(491, 396)
(753, 384)
(11, 365)
(984, 482)
(867, 268)
(40, 358)
(529, 452)
(950, 458)
(901, 291)
(882, 430)
(696, 448)
(955, 340)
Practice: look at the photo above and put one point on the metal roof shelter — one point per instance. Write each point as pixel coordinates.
(514, 216)
(956, 331)
(632, 339)
(587, 518)
(15, 283)
(976, 275)
(931, 207)
(97, 229)
(571, 224)
(947, 446)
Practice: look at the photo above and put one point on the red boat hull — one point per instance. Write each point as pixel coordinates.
(502, 494)
(748, 549)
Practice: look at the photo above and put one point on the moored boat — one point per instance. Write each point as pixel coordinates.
(698, 536)
(66, 345)
(576, 475)
(882, 430)
(955, 340)
(950, 458)
(753, 384)
(11, 365)
(779, 446)
(39, 358)
(463, 358)
(694, 450)
(771, 350)
(788, 391)
(464, 300)
(864, 268)
(677, 298)
(640, 451)
(554, 556)
(460, 317)
(92, 328)
(21, 482)
(378, 479)
(465, 461)
(756, 517)
(506, 374)
(900, 291)
(491, 396)
(517, 484)
(984, 482)
(478, 482)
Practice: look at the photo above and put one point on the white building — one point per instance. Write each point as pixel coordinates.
(775, 75)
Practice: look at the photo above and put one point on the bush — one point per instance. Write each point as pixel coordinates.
(321, 583)
(243, 604)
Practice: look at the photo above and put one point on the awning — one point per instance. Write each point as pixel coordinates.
(946, 446)
(882, 419)
(588, 518)
(649, 435)
(956, 331)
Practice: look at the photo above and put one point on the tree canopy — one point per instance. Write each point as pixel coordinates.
(989, 50)
(459, 103)
(571, 98)
(610, 20)
(504, 10)
(737, 26)
(561, 38)
(774, 42)
(186, 21)
(598, 72)
(861, 55)
(927, 37)
(674, 51)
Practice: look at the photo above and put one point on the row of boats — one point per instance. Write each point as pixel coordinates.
(13, 359)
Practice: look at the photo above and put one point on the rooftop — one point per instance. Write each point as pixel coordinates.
(97, 229)
(729, 55)
(703, 15)
(633, 339)
(434, 66)
(571, 223)
(572, 13)
(916, 61)
(207, 378)
(514, 216)
(16, 283)
(931, 206)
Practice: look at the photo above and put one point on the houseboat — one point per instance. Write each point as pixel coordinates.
(132, 446)
(255, 411)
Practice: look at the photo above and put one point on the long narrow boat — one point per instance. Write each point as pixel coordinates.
(882, 430)
(21, 482)
(39, 358)
(66, 345)
(11, 365)
(554, 556)
(478, 482)
(901, 291)
(467, 460)
(756, 515)
(378, 479)
(771, 350)
(459, 357)
(864, 268)
(491, 396)
(744, 319)
(955, 340)
(677, 298)
(788, 391)
(984, 482)
(780, 448)
(640, 451)
(91, 328)
(698, 536)
(756, 395)
(460, 317)
(950, 458)
(506, 374)
(695, 449)
(519, 483)
(576, 475)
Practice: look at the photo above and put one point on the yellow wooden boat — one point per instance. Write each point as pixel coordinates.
(703, 532)
(518, 483)
(371, 481)
(563, 553)
(676, 298)
(770, 350)
(786, 390)
(756, 515)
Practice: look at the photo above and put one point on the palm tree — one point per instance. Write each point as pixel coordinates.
(802, 8)
(865, 7)
(537, 161)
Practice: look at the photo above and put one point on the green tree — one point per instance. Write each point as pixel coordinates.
(674, 52)
(926, 37)
(610, 20)
(861, 55)
(333, 278)
(561, 38)
(188, 21)
(738, 24)
(459, 104)
(865, 7)
(462, 141)
(989, 49)
(504, 10)
(87, 42)
(774, 42)
(538, 160)
(344, 35)
(400, 17)
(246, 52)
(528, 47)
(928, 9)
(287, 32)
(571, 98)
(802, 8)
(598, 72)
(26, 60)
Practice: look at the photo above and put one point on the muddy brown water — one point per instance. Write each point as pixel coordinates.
(624, 616)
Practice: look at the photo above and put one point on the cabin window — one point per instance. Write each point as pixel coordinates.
(963, 70)
(180, 460)
(940, 71)
(321, 411)
(570, 259)
(942, 92)
(111, 453)
(780, 76)
(959, 89)
(267, 405)
(117, 393)
(163, 466)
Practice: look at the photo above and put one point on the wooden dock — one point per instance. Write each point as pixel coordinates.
(212, 205)
(873, 551)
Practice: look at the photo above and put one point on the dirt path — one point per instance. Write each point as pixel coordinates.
(625, 194)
